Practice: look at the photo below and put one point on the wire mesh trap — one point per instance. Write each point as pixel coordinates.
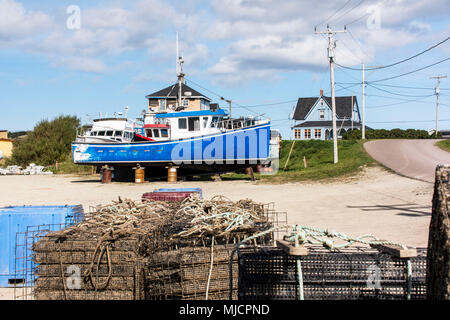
(149, 250)
(25, 266)
(354, 273)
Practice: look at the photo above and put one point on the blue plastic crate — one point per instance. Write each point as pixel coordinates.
(16, 220)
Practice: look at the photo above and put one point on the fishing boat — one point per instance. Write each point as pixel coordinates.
(181, 127)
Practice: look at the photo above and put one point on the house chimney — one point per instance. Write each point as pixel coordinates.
(321, 92)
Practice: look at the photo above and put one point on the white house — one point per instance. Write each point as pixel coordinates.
(313, 117)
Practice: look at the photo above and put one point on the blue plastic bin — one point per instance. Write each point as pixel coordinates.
(15, 220)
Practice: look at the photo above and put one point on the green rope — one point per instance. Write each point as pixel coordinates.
(304, 234)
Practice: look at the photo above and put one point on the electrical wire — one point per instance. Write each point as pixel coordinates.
(398, 62)
(407, 73)
(406, 87)
(398, 103)
(343, 15)
(407, 121)
(334, 13)
(397, 94)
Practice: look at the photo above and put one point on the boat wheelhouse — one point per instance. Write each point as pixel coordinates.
(108, 130)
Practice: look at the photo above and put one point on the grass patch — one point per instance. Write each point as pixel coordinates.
(68, 167)
(319, 159)
(444, 145)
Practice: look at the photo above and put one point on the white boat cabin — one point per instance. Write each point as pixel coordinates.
(109, 130)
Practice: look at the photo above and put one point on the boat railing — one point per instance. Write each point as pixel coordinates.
(232, 124)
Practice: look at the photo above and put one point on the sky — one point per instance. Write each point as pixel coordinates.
(84, 57)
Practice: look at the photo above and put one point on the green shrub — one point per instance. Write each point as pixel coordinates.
(50, 141)
(390, 134)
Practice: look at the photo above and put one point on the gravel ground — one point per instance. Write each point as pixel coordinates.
(378, 202)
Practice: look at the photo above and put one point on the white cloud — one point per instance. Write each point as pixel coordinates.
(16, 21)
(235, 40)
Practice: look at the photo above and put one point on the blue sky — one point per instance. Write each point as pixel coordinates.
(250, 51)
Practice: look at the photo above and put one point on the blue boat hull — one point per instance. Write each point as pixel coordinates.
(236, 147)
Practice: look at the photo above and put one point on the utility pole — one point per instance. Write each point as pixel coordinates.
(331, 46)
(363, 129)
(437, 100)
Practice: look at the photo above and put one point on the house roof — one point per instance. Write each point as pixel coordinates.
(172, 92)
(329, 124)
(343, 106)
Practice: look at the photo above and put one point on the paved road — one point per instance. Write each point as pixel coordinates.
(412, 158)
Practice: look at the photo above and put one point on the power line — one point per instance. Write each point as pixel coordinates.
(406, 121)
(398, 62)
(407, 87)
(334, 13)
(360, 18)
(357, 42)
(397, 94)
(398, 103)
(270, 104)
(343, 15)
(385, 97)
(222, 98)
(407, 73)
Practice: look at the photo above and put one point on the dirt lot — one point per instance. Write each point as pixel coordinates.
(379, 203)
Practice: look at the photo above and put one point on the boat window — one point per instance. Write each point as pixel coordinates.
(205, 122)
(164, 133)
(118, 133)
(194, 123)
(149, 133)
(109, 133)
(156, 133)
(93, 133)
(182, 123)
(214, 121)
(101, 133)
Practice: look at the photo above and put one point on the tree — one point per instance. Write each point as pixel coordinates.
(50, 141)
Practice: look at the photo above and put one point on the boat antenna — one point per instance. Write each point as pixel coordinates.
(126, 111)
(180, 73)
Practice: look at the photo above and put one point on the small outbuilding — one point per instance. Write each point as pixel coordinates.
(6, 145)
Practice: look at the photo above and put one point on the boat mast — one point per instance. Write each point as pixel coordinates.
(180, 74)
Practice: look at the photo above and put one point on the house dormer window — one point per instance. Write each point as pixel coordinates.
(322, 114)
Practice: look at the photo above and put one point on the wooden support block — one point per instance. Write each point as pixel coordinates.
(396, 251)
(292, 250)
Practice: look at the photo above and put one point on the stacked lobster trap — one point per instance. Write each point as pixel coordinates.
(149, 250)
(316, 268)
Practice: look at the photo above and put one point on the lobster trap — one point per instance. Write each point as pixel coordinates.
(84, 269)
(190, 273)
(353, 273)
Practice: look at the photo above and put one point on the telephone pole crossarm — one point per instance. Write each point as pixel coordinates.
(331, 46)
